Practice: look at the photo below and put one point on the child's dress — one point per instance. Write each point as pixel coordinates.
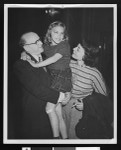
(60, 70)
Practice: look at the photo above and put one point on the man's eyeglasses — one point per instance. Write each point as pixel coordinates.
(34, 42)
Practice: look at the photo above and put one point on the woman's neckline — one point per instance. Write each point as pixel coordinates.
(81, 63)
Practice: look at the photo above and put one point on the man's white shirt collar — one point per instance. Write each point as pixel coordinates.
(36, 57)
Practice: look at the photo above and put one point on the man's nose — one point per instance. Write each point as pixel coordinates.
(40, 43)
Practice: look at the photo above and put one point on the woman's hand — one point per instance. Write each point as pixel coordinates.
(78, 105)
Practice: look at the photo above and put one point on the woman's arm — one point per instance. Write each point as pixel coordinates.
(99, 83)
(46, 62)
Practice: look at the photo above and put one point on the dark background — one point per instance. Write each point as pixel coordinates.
(92, 24)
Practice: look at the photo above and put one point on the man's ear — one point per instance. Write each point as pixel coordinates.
(26, 48)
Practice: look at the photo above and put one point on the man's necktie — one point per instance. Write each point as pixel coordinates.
(40, 60)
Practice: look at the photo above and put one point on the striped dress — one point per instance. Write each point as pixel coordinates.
(85, 80)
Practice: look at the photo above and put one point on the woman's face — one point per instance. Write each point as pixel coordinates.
(78, 52)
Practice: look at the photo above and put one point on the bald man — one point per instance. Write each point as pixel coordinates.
(36, 91)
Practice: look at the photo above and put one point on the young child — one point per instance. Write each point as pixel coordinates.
(57, 50)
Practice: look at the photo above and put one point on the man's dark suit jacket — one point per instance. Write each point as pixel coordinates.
(36, 91)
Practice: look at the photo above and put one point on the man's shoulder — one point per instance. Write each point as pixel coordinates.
(25, 65)
(19, 62)
(22, 65)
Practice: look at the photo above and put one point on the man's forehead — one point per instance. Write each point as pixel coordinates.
(31, 36)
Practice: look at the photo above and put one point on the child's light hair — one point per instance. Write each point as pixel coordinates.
(48, 39)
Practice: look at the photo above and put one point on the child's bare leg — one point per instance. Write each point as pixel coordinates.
(62, 125)
(50, 110)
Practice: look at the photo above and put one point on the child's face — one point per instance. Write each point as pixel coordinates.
(57, 35)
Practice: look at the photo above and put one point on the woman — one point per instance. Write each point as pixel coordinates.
(86, 80)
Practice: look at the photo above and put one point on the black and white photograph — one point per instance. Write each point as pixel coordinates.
(60, 68)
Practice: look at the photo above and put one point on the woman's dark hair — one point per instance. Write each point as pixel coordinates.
(91, 53)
